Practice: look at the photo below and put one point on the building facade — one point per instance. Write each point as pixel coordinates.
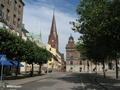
(11, 15)
(72, 56)
(63, 66)
(74, 61)
(54, 44)
(54, 63)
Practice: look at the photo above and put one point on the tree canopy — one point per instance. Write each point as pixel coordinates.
(18, 49)
(99, 24)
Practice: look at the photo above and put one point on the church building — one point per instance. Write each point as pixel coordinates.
(53, 41)
(53, 37)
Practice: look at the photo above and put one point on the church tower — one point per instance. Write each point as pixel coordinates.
(53, 37)
(72, 56)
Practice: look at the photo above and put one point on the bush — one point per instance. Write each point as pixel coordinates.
(45, 71)
(50, 71)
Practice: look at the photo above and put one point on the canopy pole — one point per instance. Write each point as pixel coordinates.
(1, 74)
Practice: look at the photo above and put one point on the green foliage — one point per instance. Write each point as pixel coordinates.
(16, 48)
(50, 71)
(100, 28)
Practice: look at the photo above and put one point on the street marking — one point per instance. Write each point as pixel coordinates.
(82, 83)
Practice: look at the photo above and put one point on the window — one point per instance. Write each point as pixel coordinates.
(18, 23)
(87, 62)
(80, 62)
(50, 59)
(15, 5)
(14, 19)
(2, 9)
(7, 15)
(52, 40)
(53, 45)
(9, 2)
(71, 62)
(19, 9)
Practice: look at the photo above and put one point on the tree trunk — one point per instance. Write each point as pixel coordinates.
(16, 73)
(104, 70)
(96, 68)
(31, 71)
(116, 67)
(39, 69)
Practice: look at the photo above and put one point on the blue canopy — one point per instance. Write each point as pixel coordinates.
(5, 63)
(16, 63)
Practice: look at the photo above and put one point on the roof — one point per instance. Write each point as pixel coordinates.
(28, 34)
(22, 2)
(36, 37)
(71, 37)
(53, 27)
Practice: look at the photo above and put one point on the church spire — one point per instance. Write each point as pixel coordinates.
(40, 37)
(53, 26)
(53, 37)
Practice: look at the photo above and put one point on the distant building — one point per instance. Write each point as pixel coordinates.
(74, 61)
(63, 65)
(54, 63)
(11, 15)
(37, 40)
(53, 42)
(53, 37)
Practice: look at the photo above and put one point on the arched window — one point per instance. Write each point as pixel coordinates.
(80, 62)
(71, 62)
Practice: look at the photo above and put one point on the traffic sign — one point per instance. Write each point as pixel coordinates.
(2, 57)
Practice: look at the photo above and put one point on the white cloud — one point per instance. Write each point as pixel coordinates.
(38, 16)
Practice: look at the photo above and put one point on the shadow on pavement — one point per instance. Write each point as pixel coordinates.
(21, 77)
(108, 83)
(72, 78)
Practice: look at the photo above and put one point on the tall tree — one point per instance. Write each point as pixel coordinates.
(95, 23)
(42, 57)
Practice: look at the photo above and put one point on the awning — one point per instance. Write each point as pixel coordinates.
(16, 63)
(5, 63)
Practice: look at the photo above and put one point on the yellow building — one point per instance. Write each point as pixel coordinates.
(54, 63)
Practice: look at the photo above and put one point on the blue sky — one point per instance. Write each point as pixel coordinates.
(37, 16)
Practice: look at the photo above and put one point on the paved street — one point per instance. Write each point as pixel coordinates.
(63, 81)
(67, 81)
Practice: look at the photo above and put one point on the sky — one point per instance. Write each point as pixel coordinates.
(38, 14)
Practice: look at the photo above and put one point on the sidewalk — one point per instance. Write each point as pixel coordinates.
(26, 80)
(109, 82)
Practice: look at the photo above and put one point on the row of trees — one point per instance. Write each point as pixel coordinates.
(18, 49)
(99, 26)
